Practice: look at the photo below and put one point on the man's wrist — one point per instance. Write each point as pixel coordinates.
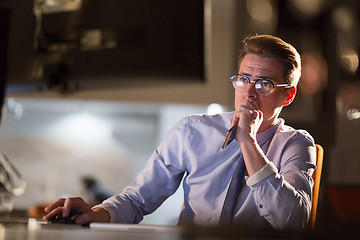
(247, 140)
(262, 174)
(102, 215)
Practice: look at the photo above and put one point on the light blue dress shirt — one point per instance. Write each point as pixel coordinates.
(278, 196)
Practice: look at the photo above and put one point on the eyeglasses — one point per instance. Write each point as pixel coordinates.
(263, 86)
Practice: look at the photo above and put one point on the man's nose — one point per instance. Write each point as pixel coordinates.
(251, 90)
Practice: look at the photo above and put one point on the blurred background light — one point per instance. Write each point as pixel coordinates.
(353, 114)
(215, 108)
(349, 101)
(260, 10)
(54, 6)
(263, 14)
(349, 96)
(14, 108)
(349, 57)
(343, 19)
(308, 7)
(83, 126)
(314, 73)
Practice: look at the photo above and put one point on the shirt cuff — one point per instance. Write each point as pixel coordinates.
(111, 215)
(260, 175)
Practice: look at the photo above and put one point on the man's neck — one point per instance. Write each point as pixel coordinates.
(267, 125)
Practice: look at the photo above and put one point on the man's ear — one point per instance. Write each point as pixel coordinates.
(290, 96)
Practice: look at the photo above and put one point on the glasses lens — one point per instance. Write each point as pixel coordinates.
(240, 82)
(264, 86)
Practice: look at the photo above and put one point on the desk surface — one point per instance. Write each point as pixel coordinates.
(35, 231)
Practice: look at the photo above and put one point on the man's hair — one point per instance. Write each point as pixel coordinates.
(274, 47)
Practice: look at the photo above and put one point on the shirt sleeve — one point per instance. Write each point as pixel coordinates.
(154, 184)
(283, 195)
(262, 174)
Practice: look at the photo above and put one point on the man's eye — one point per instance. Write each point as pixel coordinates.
(266, 83)
(239, 83)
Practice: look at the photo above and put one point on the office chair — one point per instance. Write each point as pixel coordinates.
(316, 176)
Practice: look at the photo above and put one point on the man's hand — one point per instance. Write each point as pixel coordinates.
(249, 119)
(87, 215)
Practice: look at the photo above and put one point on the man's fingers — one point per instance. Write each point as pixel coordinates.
(235, 119)
(67, 207)
(247, 109)
(57, 203)
(251, 105)
(76, 203)
(53, 213)
(54, 209)
(242, 110)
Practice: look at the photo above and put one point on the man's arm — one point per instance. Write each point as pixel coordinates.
(283, 196)
(159, 179)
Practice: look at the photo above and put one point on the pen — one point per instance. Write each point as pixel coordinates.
(230, 135)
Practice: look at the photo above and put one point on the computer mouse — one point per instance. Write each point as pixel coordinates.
(70, 219)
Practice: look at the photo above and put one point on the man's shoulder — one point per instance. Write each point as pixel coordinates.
(286, 131)
(204, 116)
(220, 118)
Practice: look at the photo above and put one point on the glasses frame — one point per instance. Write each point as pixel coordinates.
(256, 80)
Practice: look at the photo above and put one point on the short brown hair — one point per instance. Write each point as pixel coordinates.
(274, 47)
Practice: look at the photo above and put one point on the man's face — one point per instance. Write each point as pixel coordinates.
(262, 67)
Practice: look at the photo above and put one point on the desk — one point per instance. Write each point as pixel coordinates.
(28, 230)
(24, 231)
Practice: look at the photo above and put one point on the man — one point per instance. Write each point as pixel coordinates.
(279, 160)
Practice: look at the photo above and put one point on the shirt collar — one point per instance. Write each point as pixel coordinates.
(266, 135)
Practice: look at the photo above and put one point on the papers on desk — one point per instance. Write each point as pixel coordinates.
(133, 227)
